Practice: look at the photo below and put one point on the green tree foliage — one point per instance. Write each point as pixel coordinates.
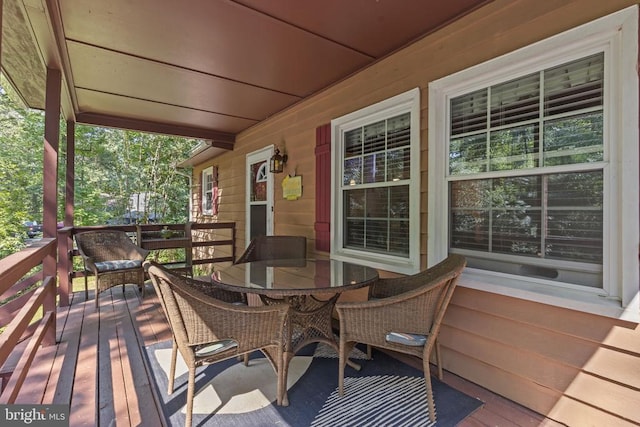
(112, 167)
(20, 169)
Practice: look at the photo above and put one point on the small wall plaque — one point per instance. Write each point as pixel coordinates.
(292, 187)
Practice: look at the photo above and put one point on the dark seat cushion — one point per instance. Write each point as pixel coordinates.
(121, 264)
(206, 350)
(413, 340)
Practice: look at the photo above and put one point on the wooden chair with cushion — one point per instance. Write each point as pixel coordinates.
(210, 324)
(112, 258)
(403, 314)
(274, 247)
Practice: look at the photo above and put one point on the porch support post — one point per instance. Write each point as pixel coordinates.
(65, 239)
(50, 180)
(51, 145)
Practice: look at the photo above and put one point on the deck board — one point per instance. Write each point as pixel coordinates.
(152, 328)
(112, 391)
(99, 361)
(83, 405)
(127, 403)
(152, 324)
(141, 405)
(497, 411)
(55, 394)
(64, 371)
(34, 387)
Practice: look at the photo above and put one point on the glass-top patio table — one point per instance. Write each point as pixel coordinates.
(310, 287)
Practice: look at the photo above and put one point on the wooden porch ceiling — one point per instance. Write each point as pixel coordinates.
(202, 68)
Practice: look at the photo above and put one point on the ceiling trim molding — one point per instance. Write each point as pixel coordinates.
(218, 139)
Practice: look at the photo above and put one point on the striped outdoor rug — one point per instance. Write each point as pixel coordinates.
(384, 392)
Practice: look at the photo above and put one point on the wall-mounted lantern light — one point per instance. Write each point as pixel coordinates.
(277, 162)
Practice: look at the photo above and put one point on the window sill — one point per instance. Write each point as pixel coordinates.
(587, 302)
(380, 263)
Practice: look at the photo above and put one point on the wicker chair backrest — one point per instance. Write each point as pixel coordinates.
(108, 245)
(190, 305)
(180, 308)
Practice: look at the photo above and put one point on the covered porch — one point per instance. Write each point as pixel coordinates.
(561, 353)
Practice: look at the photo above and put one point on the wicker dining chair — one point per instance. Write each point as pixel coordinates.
(112, 258)
(208, 326)
(404, 315)
(264, 248)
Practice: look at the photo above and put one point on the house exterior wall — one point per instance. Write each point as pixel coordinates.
(577, 368)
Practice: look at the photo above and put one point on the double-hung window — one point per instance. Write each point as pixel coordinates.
(376, 191)
(531, 175)
(526, 174)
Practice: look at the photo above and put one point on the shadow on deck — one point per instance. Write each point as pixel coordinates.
(99, 367)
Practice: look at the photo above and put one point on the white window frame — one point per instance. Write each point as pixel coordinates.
(405, 102)
(207, 174)
(613, 34)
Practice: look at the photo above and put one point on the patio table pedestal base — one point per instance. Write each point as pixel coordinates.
(309, 321)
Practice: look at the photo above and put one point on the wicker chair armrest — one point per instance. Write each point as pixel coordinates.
(135, 252)
(82, 253)
(143, 253)
(388, 287)
(89, 264)
(368, 309)
(390, 300)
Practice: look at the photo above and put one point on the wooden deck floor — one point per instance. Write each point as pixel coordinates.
(98, 367)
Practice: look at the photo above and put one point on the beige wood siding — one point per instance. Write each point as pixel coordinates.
(577, 368)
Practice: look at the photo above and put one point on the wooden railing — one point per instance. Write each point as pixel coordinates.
(28, 288)
(200, 241)
(22, 294)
